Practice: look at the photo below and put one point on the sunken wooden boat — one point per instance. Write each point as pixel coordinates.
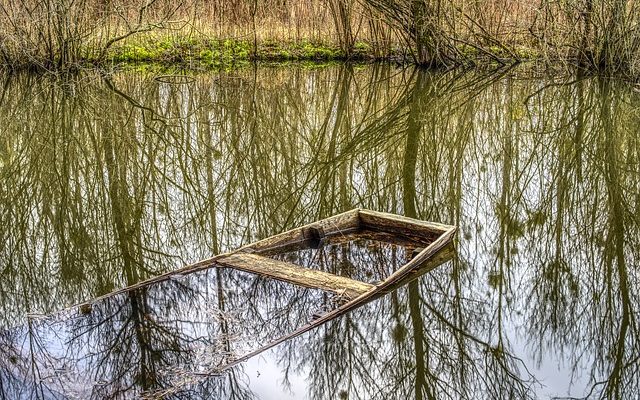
(284, 286)
(423, 241)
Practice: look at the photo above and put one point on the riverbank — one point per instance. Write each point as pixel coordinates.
(229, 52)
(218, 53)
(224, 54)
(61, 35)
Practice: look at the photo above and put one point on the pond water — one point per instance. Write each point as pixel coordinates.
(107, 181)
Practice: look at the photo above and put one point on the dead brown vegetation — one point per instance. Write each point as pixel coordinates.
(603, 35)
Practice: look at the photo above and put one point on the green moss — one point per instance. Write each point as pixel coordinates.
(311, 51)
(526, 52)
(225, 53)
(468, 51)
(206, 55)
(496, 50)
(132, 53)
(362, 47)
(315, 64)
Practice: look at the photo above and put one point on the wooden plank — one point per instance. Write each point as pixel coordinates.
(338, 224)
(396, 223)
(421, 258)
(292, 273)
(443, 254)
(341, 224)
(439, 249)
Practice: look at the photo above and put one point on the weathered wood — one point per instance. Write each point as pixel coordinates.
(292, 273)
(378, 236)
(340, 227)
(441, 253)
(441, 256)
(352, 225)
(346, 237)
(436, 253)
(339, 224)
(444, 239)
(396, 223)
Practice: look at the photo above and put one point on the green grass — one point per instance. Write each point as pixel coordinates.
(228, 52)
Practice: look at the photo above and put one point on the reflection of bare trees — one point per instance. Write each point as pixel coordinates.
(107, 183)
(581, 302)
(538, 184)
(158, 339)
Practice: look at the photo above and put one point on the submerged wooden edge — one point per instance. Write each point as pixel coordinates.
(344, 222)
(438, 253)
(444, 254)
(422, 257)
(399, 224)
(295, 274)
(334, 224)
(440, 257)
(430, 257)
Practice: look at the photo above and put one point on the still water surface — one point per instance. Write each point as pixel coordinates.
(105, 182)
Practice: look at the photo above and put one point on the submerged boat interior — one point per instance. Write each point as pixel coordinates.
(195, 324)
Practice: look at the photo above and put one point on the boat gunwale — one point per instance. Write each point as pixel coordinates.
(424, 256)
(346, 222)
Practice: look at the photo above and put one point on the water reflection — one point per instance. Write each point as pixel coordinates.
(109, 181)
(366, 256)
(157, 338)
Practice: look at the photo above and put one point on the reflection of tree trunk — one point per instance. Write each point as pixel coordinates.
(60, 221)
(224, 328)
(411, 151)
(341, 118)
(455, 211)
(580, 125)
(147, 375)
(506, 229)
(561, 199)
(346, 127)
(419, 342)
(504, 206)
(120, 207)
(35, 369)
(126, 222)
(409, 202)
(211, 196)
(614, 251)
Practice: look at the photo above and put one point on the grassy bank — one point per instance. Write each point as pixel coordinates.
(227, 52)
(600, 35)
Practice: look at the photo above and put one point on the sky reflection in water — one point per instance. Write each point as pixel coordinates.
(106, 182)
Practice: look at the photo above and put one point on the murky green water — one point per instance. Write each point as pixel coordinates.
(106, 182)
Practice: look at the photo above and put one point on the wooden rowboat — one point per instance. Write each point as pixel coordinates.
(426, 237)
(274, 281)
